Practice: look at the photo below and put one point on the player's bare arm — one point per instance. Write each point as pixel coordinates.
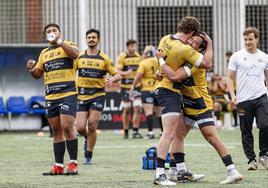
(35, 72)
(230, 83)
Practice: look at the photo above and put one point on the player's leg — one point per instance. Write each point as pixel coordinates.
(126, 105)
(246, 115)
(171, 104)
(137, 104)
(261, 111)
(93, 120)
(58, 140)
(68, 110)
(177, 150)
(148, 107)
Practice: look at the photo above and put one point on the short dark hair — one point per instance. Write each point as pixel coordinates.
(51, 25)
(131, 41)
(188, 24)
(229, 53)
(92, 30)
(203, 43)
(254, 30)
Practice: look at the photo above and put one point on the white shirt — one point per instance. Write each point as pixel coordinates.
(249, 74)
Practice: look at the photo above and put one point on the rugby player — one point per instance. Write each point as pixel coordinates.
(127, 65)
(92, 66)
(56, 63)
(198, 106)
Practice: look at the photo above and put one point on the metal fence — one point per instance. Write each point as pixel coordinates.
(21, 21)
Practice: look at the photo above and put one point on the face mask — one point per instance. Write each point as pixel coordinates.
(51, 37)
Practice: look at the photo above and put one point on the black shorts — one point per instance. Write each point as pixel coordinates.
(169, 101)
(66, 105)
(202, 120)
(148, 97)
(125, 94)
(91, 104)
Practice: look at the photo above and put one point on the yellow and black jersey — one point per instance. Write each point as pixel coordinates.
(218, 95)
(91, 74)
(59, 72)
(176, 53)
(195, 93)
(126, 62)
(148, 68)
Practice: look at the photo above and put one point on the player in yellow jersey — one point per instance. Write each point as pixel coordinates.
(198, 106)
(92, 66)
(56, 63)
(175, 52)
(146, 75)
(127, 65)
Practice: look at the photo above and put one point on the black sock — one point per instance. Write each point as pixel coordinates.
(160, 123)
(88, 154)
(136, 130)
(126, 131)
(227, 160)
(217, 114)
(150, 122)
(72, 146)
(59, 150)
(235, 116)
(172, 163)
(179, 157)
(160, 163)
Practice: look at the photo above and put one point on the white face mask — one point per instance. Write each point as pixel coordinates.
(51, 37)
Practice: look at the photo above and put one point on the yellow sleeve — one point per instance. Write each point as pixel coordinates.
(110, 67)
(191, 55)
(194, 69)
(141, 68)
(40, 63)
(71, 44)
(120, 62)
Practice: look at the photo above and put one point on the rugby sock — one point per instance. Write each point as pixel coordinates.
(172, 167)
(180, 162)
(160, 166)
(72, 146)
(234, 111)
(88, 154)
(126, 131)
(135, 130)
(59, 150)
(160, 123)
(217, 114)
(150, 121)
(227, 160)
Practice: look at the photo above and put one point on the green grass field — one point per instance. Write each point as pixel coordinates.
(117, 162)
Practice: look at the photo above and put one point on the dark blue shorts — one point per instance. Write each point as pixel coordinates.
(66, 106)
(202, 120)
(169, 101)
(148, 97)
(91, 104)
(125, 94)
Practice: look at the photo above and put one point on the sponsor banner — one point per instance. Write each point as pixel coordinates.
(111, 117)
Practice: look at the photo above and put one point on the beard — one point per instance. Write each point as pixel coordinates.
(92, 45)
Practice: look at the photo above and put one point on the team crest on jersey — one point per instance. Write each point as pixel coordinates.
(260, 60)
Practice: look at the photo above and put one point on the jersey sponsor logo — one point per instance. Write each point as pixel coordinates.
(149, 99)
(127, 81)
(60, 87)
(91, 73)
(89, 91)
(98, 105)
(197, 104)
(58, 64)
(133, 67)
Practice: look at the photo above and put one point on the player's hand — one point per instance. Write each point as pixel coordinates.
(234, 101)
(131, 92)
(31, 65)
(109, 81)
(159, 75)
(208, 39)
(129, 71)
(159, 54)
